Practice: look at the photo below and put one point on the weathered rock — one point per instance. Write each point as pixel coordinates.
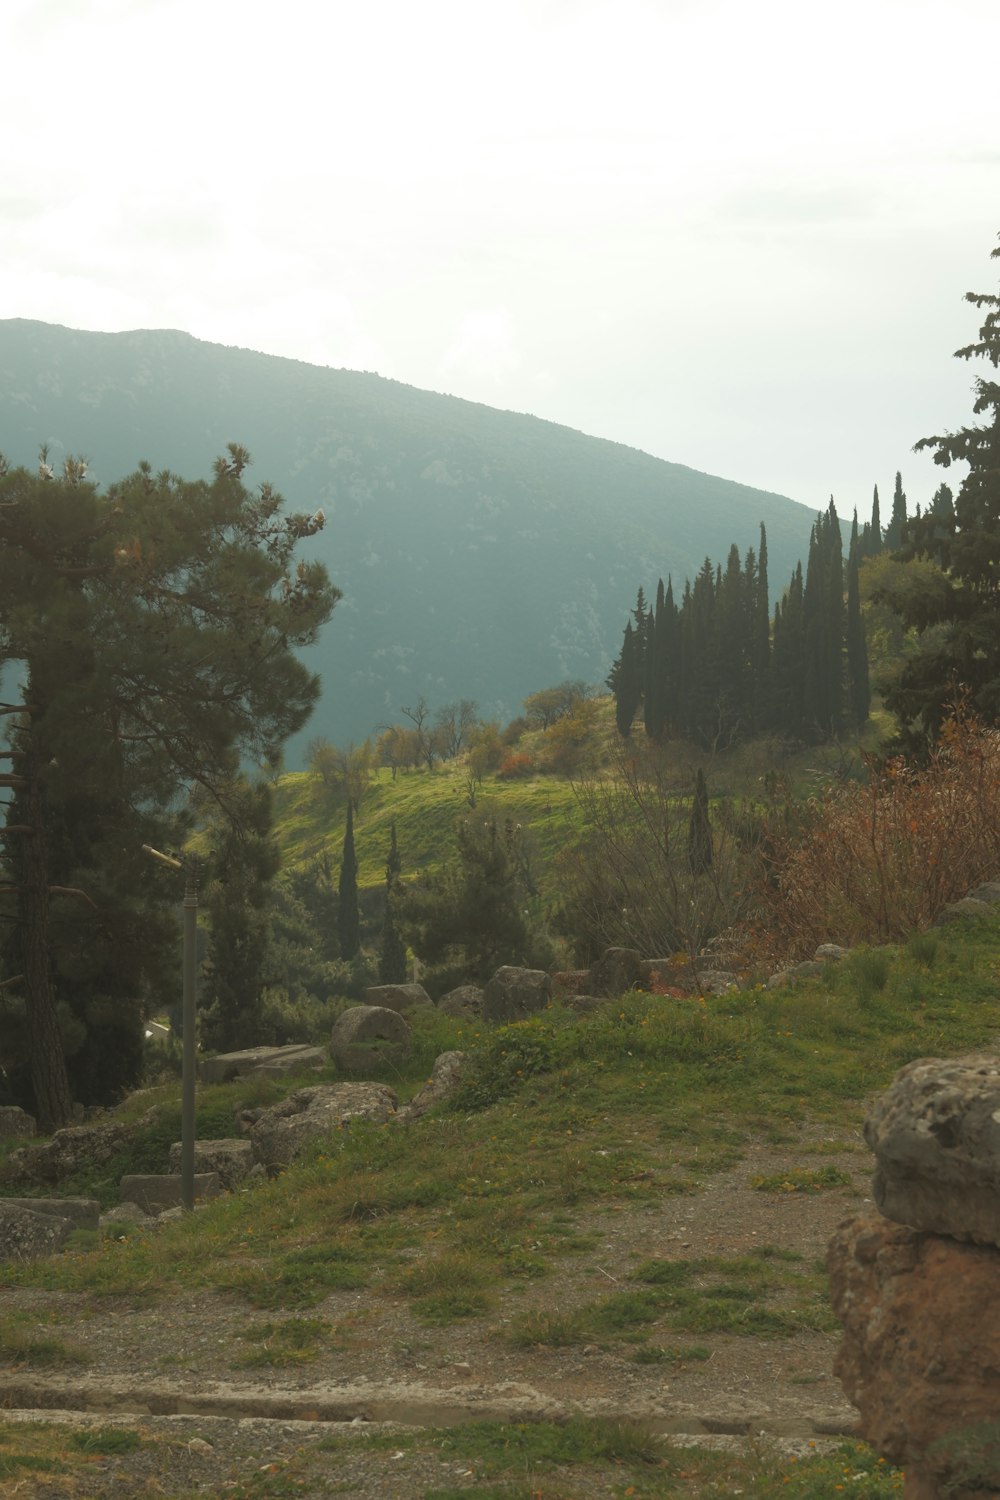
(127, 1214)
(261, 1062)
(446, 1075)
(465, 1002)
(585, 1005)
(935, 1133)
(401, 997)
(285, 1129)
(920, 1355)
(26, 1235)
(961, 911)
(231, 1157)
(71, 1150)
(513, 994)
(989, 892)
(82, 1213)
(155, 1192)
(14, 1122)
(366, 1037)
(831, 953)
(617, 970)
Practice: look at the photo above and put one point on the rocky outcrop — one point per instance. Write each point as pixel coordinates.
(283, 1131)
(75, 1149)
(230, 1158)
(513, 994)
(920, 1357)
(81, 1213)
(936, 1137)
(401, 997)
(366, 1037)
(15, 1122)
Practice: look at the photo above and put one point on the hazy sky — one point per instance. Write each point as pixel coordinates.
(733, 234)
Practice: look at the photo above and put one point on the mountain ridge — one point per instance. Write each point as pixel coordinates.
(483, 553)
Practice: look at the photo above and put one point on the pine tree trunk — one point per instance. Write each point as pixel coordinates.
(49, 1079)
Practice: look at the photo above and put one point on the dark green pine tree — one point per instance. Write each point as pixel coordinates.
(895, 532)
(788, 660)
(871, 535)
(655, 664)
(823, 619)
(859, 690)
(760, 641)
(392, 950)
(699, 849)
(348, 918)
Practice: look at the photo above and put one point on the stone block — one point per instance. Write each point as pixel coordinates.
(155, 1192)
(280, 1133)
(15, 1122)
(82, 1213)
(514, 994)
(231, 1157)
(27, 1235)
(266, 1062)
(401, 997)
(366, 1037)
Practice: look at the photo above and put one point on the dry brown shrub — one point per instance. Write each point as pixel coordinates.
(875, 862)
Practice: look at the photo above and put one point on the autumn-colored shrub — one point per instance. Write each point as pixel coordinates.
(517, 763)
(874, 862)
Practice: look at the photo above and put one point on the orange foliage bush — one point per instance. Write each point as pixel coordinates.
(516, 764)
(873, 863)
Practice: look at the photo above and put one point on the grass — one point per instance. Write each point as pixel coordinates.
(22, 1344)
(803, 1180)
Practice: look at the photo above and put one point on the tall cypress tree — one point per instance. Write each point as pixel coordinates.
(348, 918)
(392, 950)
(857, 648)
(699, 848)
(896, 530)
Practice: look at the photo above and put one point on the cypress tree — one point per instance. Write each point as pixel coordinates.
(348, 918)
(760, 649)
(895, 532)
(857, 647)
(392, 951)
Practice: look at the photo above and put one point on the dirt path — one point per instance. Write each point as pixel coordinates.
(376, 1362)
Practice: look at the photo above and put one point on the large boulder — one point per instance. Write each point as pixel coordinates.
(920, 1355)
(465, 1003)
(75, 1149)
(261, 1062)
(230, 1157)
(366, 1037)
(513, 994)
(26, 1234)
(283, 1131)
(935, 1133)
(401, 997)
(617, 970)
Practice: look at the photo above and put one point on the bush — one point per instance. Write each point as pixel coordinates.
(875, 863)
(515, 765)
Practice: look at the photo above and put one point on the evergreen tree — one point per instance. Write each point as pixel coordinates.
(152, 630)
(392, 951)
(760, 645)
(823, 620)
(964, 652)
(856, 645)
(895, 532)
(699, 848)
(625, 682)
(348, 918)
(871, 536)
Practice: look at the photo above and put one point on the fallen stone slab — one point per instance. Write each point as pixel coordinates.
(27, 1235)
(367, 1037)
(82, 1213)
(230, 1156)
(261, 1062)
(155, 1192)
(465, 1002)
(935, 1133)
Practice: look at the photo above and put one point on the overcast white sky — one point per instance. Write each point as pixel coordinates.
(733, 234)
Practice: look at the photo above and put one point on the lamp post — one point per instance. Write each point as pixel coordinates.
(188, 1014)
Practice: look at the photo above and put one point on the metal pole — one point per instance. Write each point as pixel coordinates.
(189, 1007)
(189, 1056)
